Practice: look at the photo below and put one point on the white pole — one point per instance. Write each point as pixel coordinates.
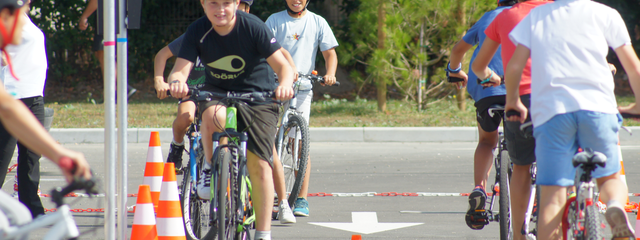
(109, 116)
(122, 121)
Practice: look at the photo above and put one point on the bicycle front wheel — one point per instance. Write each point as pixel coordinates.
(196, 211)
(505, 207)
(226, 223)
(594, 227)
(295, 154)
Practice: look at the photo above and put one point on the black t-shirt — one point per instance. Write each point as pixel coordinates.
(196, 76)
(237, 61)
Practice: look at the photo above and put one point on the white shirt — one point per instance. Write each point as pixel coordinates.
(29, 61)
(302, 37)
(569, 41)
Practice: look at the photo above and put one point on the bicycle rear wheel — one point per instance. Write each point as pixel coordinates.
(294, 156)
(505, 207)
(594, 226)
(225, 209)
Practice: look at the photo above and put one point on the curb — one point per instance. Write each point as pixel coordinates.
(346, 134)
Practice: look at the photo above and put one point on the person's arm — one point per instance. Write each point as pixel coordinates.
(279, 63)
(455, 61)
(21, 124)
(331, 63)
(631, 65)
(159, 63)
(287, 55)
(92, 6)
(480, 65)
(178, 78)
(512, 77)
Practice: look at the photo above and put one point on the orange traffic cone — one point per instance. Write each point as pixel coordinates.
(638, 225)
(169, 218)
(356, 237)
(144, 222)
(153, 168)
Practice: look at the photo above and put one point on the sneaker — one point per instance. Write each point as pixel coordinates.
(284, 213)
(618, 220)
(476, 216)
(204, 184)
(301, 207)
(175, 156)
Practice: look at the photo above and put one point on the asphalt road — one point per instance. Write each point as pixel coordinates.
(347, 168)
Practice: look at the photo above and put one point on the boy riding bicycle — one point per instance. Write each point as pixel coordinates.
(301, 33)
(240, 54)
(520, 147)
(484, 97)
(572, 101)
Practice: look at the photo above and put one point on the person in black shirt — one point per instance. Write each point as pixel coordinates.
(240, 54)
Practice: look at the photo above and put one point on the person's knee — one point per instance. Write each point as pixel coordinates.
(183, 120)
(488, 138)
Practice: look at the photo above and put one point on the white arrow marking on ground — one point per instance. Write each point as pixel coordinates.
(365, 223)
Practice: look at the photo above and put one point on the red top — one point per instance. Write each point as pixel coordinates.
(499, 30)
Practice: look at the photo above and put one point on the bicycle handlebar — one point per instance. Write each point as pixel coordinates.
(201, 95)
(78, 183)
(315, 78)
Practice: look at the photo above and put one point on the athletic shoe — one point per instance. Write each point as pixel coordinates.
(175, 156)
(301, 207)
(204, 184)
(618, 220)
(476, 216)
(284, 213)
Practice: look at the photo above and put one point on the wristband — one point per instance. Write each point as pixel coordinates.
(457, 70)
(488, 79)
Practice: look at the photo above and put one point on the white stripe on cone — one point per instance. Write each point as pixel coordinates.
(169, 191)
(144, 214)
(154, 154)
(170, 226)
(153, 182)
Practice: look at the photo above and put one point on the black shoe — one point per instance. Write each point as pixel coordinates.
(476, 216)
(175, 156)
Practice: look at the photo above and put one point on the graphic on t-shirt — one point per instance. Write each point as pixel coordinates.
(231, 64)
(296, 36)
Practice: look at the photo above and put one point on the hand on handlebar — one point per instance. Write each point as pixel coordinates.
(73, 164)
(161, 88)
(518, 107)
(461, 75)
(329, 80)
(284, 93)
(178, 89)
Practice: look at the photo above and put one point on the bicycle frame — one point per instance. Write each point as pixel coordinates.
(62, 226)
(529, 212)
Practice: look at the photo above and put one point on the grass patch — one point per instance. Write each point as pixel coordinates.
(325, 113)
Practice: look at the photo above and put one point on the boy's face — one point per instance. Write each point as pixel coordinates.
(220, 12)
(297, 5)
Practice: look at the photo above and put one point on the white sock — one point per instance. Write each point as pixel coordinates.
(177, 144)
(263, 235)
(207, 165)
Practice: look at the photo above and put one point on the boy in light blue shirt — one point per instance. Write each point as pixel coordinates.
(302, 32)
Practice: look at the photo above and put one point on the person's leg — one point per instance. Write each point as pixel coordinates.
(302, 205)
(520, 187)
(7, 147)
(482, 159)
(552, 201)
(29, 165)
(186, 115)
(285, 215)
(262, 195)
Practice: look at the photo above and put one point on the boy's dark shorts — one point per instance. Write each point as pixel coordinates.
(521, 148)
(486, 122)
(257, 120)
(97, 44)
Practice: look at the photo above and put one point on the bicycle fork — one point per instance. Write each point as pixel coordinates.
(529, 213)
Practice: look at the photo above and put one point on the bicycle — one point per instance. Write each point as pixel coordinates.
(293, 152)
(500, 187)
(529, 226)
(231, 187)
(580, 219)
(61, 223)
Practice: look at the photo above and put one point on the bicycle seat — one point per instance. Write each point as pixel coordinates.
(495, 108)
(590, 158)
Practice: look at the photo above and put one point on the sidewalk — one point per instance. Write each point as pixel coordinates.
(347, 134)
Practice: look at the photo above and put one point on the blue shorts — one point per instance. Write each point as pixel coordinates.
(558, 139)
